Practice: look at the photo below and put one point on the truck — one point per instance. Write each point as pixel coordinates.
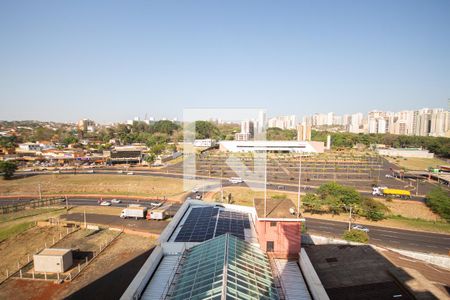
(384, 191)
(134, 211)
(159, 213)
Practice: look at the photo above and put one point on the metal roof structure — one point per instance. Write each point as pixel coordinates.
(225, 267)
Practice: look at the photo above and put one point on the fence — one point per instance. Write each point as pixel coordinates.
(27, 271)
(6, 209)
(24, 263)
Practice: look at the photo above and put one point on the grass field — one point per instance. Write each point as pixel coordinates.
(15, 229)
(417, 164)
(151, 186)
(245, 196)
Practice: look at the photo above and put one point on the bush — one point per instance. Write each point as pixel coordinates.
(373, 210)
(356, 236)
(439, 202)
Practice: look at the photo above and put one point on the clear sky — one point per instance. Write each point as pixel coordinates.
(113, 60)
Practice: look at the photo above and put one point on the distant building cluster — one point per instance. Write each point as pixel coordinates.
(422, 122)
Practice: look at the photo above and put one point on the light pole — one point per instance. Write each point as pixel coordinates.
(299, 185)
(349, 218)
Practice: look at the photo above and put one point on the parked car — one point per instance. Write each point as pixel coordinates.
(389, 176)
(130, 173)
(105, 203)
(360, 227)
(116, 201)
(155, 204)
(120, 172)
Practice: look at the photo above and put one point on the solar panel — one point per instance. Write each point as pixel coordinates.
(233, 223)
(199, 225)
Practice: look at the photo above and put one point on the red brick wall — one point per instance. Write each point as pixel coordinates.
(285, 235)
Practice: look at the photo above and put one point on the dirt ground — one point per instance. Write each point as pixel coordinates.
(410, 209)
(93, 184)
(105, 278)
(17, 248)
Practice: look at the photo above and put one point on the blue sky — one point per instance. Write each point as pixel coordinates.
(112, 60)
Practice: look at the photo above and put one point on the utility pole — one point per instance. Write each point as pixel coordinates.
(265, 186)
(299, 185)
(40, 193)
(85, 226)
(417, 187)
(350, 219)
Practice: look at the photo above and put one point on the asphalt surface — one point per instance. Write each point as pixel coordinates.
(110, 220)
(225, 182)
(387, 237)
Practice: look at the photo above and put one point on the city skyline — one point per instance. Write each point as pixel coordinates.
(60, 61)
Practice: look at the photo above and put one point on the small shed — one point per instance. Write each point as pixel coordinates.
(53, 260)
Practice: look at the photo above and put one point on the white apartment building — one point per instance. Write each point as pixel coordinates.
(284, 122)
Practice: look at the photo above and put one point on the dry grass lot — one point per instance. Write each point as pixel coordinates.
(151, 186)
(417, 164)
(105, 277)
(245, 196)
(18, 247)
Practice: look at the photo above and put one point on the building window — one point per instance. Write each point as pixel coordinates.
(273, 224)
(270, 246)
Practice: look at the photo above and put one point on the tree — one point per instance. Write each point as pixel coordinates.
(372, 209)
(206, 130)
(439, 202)
(164, 126)
(7, 168)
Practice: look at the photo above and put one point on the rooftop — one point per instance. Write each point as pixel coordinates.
(275, 208)
(54, 251)
(225, 267)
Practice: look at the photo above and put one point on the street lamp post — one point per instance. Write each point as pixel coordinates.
(299, 185)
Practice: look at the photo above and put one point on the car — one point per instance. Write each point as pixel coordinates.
(120, 172)
(155, 204)
(389, 176)
(195, 190)
(235, 180)
(130, 173)
(105, 203)
(198, 196)
(90, 171)
(116, 201)
(281, 187)
(360, 227)
(56, 172)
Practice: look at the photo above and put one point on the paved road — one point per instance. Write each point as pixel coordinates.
(225, 182)
(387, 237)
(382, 236)
(146, 225)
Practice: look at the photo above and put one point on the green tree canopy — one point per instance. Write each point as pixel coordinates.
(7, 169)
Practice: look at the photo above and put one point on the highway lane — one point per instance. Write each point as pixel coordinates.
(386, 237)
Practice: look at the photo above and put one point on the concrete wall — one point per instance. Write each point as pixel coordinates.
(406, 153)
(52, 263)
(285, 235)
(141, 279)
(312, 280)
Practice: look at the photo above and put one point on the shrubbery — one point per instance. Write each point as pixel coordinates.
(356, 236)
(439, 202)
(335, 198)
